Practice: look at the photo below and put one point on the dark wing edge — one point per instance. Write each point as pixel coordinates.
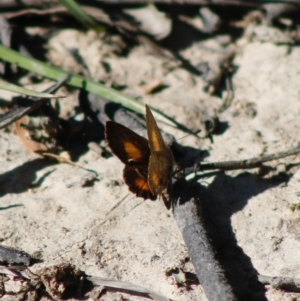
(135, 178)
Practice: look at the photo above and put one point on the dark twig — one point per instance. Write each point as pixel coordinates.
(209, 271)
(14, 257)
(19, 111)
(189, 219)
(285, 283)
(230, 93)
(248, 163)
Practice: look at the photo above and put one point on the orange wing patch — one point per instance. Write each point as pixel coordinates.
(132, 151)
(142, 184)
(156, 142)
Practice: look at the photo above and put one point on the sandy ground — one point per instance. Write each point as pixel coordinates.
(106, 231)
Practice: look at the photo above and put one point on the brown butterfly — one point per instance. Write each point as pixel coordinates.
(148, 163)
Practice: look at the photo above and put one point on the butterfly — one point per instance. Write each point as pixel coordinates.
(148, 163)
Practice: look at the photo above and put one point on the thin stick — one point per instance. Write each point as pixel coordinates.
(127, 287)
(285, 283)
(248, 163)
(230, 93)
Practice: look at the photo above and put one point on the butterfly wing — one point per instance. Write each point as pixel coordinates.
(133, 150)
(136, 178)
(128, 146)
(161, 160)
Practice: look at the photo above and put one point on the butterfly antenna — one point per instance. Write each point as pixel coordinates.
(194, 133)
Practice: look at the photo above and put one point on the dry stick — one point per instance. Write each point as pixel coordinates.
(248, 163)
(190, 222)
(127, 287)
(284, 283)
(230, 93)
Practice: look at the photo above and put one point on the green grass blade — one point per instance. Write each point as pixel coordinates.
(56, 74)
(20, 90)
(82, 16)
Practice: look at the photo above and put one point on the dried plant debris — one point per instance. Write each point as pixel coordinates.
(60, 281)
(64, 281)
(42, 133)
(37, 122)
(152, 86)
(57, 282)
